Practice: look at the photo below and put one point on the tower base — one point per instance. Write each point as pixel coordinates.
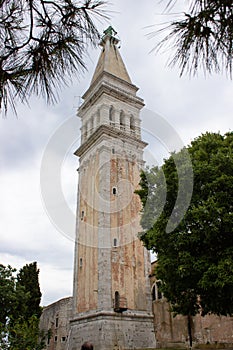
(108, 330)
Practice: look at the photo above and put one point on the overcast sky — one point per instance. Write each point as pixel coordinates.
(37, 163)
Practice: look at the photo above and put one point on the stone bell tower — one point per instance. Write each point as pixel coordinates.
(112, 299)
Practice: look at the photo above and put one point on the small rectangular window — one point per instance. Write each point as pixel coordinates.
(63, 339)
(114, 191)
(55, 338)
(113, 150)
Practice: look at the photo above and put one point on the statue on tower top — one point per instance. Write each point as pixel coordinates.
(110, 31)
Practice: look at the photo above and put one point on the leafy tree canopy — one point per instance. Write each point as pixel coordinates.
(42, 44)
(202, 37)
(195, 259)
(7, 292)
(26, 335)
(19, 308)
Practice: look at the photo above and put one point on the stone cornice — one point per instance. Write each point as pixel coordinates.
(109, 76)
(109, 131)
(112, 90)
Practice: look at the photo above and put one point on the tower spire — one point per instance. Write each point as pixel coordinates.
(110, 60)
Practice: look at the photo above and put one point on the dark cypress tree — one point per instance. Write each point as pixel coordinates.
(28, 279)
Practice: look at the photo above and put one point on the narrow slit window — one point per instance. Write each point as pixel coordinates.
(122, 119)
(82, 214)
(114, 191)
(115, 242)
(80, 262)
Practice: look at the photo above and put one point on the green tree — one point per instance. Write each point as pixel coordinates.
(10, 299)
(7, 292)
(202, 37)
(42, 44)
(28, 277)
(195, 259)
(26, 335)
(19, 308)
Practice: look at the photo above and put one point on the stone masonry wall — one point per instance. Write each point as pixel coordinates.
(172, 331)
(55, 319)
(112, 331)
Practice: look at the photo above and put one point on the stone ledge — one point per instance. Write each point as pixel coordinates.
(211, 346)
(110, 131)
(110, 314)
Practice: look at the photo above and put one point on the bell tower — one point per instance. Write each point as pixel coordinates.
(112, 300)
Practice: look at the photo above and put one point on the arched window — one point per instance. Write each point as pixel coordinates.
(117, 300)
(111, 116)
(155, 291)
(159, 293)
(120, 303)
(132, 124)
(122, 121)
